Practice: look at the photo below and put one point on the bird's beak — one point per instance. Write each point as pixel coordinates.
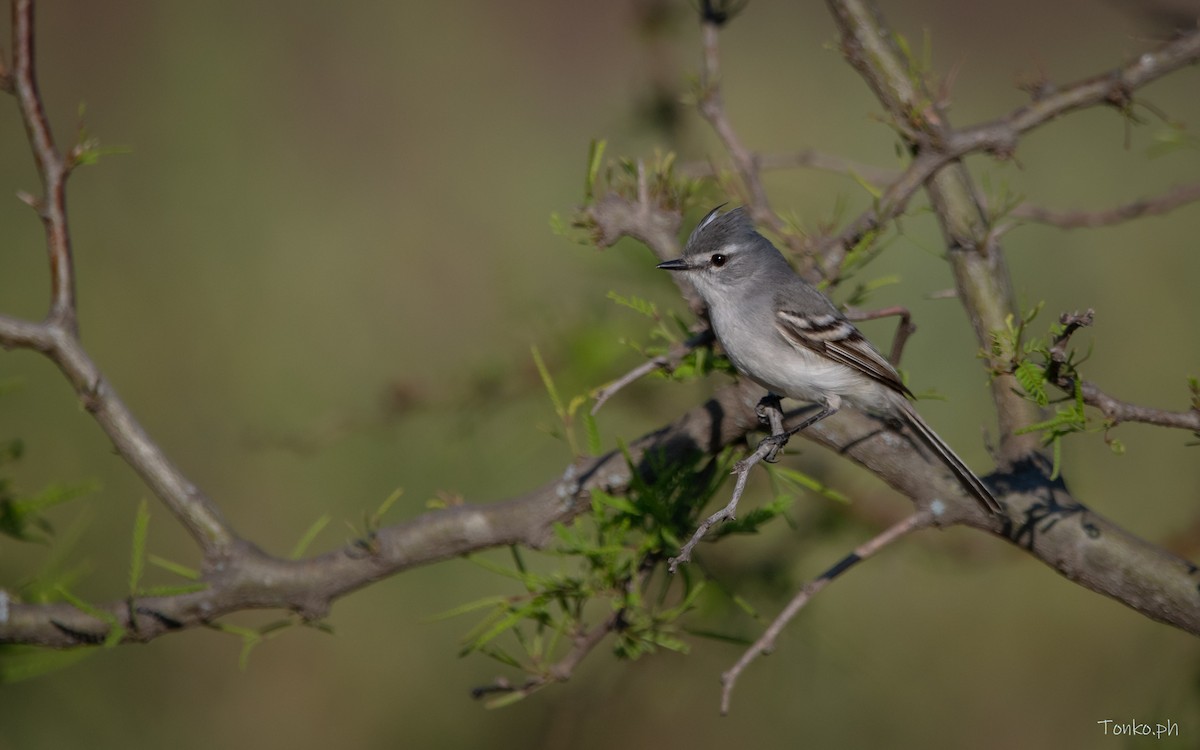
(679, 264)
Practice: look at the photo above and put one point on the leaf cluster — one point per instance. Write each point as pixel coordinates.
(1038, 363)
(609, 577)
(668, 332)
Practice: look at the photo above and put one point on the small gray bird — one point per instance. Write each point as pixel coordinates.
(783, 334)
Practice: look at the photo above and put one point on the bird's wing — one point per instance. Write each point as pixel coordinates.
(832, 335)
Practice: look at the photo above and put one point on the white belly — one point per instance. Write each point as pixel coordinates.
(787, 369)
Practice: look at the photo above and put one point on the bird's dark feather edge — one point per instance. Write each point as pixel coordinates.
(852, 350)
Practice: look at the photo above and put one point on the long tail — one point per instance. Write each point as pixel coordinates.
(971, 482)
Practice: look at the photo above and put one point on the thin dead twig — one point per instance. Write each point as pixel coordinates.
(766, 642)
(668, 362)
(1180, 195)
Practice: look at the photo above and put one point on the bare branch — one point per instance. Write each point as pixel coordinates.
(712, 108)
(248, 578)
(1047, 522)
(52, 207)
(808, 159)
(766, 642)
(998, 137)
(58, 336)
(904, 328)
(1118, 411)
(1180, 195)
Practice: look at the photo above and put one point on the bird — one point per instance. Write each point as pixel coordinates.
(787, 336)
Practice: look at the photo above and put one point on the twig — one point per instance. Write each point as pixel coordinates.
(999, 137)
(766, 643)
(1177, 196)
(904, 328)
(668, 362)
(57, 337)
(561, 671)
(1118, 411)
(770, 411)
(1115, 410)
(808, 158)
(712, 108)
(51, 166)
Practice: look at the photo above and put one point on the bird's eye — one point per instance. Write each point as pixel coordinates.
(718, 260)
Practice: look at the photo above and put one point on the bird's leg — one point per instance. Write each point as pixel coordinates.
(780, 436)
(770, 413)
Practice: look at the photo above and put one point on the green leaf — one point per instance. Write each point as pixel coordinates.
(89, 152)
(18, 516)
(637, 304)
(594, 445)
(504, 625)
(250, 637)
(1032, 378)
(548, 382)
(307, 538)
(19, 663)
(505, 699)
(872, 189)
(177, 590)
(116, 632)
(462, 609)
(669, 642)
(749, 523)
(713, 635)
(595, 159)
(801, 481)
(376, 518)
(173, 567)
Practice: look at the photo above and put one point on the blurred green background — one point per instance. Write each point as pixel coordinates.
(317, 278)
